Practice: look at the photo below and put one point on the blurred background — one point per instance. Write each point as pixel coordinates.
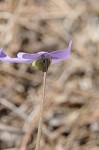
(71, 114)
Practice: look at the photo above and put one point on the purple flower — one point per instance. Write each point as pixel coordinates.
(55, 56)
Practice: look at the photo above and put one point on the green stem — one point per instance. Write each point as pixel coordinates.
(41, 114)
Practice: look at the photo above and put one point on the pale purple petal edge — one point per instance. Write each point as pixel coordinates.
(4, 57)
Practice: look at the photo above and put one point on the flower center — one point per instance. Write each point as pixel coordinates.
(43, 63)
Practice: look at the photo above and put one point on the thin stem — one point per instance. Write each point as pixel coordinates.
(41, 114)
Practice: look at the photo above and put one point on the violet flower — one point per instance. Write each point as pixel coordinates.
(42, 60)
(38, 58)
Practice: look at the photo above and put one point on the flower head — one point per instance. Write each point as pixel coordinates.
(40, 59)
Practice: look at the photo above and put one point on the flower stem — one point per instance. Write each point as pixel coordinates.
(41, 114)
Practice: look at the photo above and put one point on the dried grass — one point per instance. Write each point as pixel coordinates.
(71, 115)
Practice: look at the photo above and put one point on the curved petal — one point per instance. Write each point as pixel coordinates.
(60, 54)
(4, 57)
(31, 56)
(56, 56)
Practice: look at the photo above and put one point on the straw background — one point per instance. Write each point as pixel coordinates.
(71, 114)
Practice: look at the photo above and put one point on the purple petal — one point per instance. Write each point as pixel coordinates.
(4, 57)
(56, 56)
(31, 56)
(60, 54)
